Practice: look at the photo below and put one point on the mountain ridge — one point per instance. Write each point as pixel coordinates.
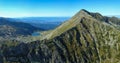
(73, 22)
(89, 37)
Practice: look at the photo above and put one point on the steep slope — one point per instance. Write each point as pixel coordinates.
(89, 41)
(75, 20)
(8, 28)
(68, 24)
(82, 39)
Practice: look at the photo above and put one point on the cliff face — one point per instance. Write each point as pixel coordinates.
(82, 39)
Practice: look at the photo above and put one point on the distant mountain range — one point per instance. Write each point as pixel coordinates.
(118, 16)
(46, 23)
(9, 28)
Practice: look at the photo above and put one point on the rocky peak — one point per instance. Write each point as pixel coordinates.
(85, 11)
(96, 15)
(75, 20)
(82, 13)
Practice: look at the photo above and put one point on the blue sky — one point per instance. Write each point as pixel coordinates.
(56, 8)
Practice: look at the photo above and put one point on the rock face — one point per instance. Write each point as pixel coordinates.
(85, 38)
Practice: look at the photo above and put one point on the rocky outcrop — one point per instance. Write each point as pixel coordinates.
(15, 53)
(1, 58)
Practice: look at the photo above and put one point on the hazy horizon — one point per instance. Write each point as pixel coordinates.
(54, 16)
